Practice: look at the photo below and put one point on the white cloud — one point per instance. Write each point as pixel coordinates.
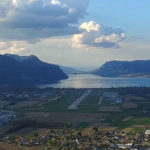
(15, 2)
(55, 2)
(96, 35)
(2, 45)
(71, 10)
(90, 26)
(18, 3)
(12, 47)
(31, 1)
(110, 38)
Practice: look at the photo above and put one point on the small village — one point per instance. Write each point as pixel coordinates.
(26, 94)
(89, 139)
(6, 116)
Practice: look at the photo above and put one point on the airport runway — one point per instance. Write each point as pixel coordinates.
(100, 101)
(75, 104)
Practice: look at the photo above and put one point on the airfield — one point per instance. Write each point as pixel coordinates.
(119, 108)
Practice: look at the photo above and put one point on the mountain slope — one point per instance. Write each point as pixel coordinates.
(70, 70)
(124, 68)
(28, 70)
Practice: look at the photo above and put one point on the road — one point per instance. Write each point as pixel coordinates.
(75, 104)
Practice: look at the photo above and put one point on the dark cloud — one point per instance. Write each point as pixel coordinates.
(37, 19)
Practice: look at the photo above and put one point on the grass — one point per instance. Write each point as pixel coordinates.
(138, 129)
(90, 105)
(116, 119)
(5, 146)
(91, 99)
(59, 105)
(83, 125)
(88, 109)
(106, 102)
(110, 109)
(135, 121)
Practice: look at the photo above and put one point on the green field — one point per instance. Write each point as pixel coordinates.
(59, 105)
(88, 105)
(134, 106)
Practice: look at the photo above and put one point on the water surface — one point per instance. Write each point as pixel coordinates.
(94, 81)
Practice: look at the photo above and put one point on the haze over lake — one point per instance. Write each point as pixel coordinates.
(94, 81)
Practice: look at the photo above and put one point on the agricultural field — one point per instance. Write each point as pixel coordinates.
(5, 146)
(121, 108)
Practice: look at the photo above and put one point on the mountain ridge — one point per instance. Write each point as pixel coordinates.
(28, 70)
(124, 68)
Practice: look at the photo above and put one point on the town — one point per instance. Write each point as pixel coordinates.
(89, 139)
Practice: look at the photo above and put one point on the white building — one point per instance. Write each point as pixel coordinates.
(147, 132)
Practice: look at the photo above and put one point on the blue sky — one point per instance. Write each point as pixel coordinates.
(76, 33)
(131, 15)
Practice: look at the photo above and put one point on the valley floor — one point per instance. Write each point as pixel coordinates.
(116, 109)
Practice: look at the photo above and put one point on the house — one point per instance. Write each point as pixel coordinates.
(147, 132)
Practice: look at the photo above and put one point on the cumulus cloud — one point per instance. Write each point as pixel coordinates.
(15, 47)
(90, 26)
(55, 2)
(32, 20)
(96, 35)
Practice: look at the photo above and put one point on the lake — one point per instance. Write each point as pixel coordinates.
(94, 81)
